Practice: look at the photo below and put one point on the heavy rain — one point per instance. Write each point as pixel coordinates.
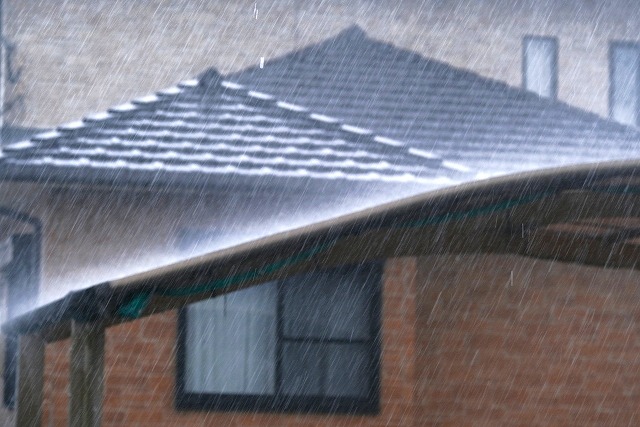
(319, 212)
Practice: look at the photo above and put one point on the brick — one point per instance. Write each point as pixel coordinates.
(568, 367)
(575, 354)
(139, 371)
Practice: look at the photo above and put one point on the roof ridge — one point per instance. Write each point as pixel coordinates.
(211, 83)
(352, 31)
(53, 133)
(337, 124)
(212, 78)
(355, 33)
(500, 83)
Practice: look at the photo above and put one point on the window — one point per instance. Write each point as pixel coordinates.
(540, 65)
(308, 343)
(624, 88)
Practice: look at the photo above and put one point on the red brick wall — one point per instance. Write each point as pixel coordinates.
(482, 340)
(506, 340)
(140, 371)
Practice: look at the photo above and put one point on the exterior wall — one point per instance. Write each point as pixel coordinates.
(94, 235)
(140, 371)
(81, 56)
(506, 340)
(486, 339)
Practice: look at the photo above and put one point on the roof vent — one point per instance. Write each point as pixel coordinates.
(210, 79)
(353, 32)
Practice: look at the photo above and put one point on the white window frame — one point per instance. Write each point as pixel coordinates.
(616, 111)
(529, 44)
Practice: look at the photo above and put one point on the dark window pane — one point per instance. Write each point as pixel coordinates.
(304, 305)
(349, 310)
(322, 357)
(327, 305)
(302, 369)
(348, 370)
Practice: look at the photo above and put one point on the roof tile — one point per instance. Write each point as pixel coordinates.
(459, 115)
(210, 126)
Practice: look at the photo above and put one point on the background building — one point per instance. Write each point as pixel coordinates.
(79, 55)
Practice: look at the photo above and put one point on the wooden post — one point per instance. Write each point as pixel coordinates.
(87, 374)
(30, 380)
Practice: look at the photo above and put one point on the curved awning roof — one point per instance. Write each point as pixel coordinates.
(588, 214)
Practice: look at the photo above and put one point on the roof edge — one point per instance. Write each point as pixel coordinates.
(101, 301)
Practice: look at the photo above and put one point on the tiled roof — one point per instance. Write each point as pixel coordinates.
(202, 130)
(486, 124)
(11, 134)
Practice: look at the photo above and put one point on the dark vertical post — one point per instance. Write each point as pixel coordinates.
(30, 380)
(10, 370)
(87, 374)
(23, 274)
(23, 281)
(2, 74)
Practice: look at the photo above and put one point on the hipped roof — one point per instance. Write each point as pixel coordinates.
(505, 215)
(212, 132)
(483, 123)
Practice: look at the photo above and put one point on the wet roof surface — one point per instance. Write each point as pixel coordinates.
(213, 127)
(348, 109)
(485, 124)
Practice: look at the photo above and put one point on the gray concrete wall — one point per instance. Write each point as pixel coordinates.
(96, 234)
